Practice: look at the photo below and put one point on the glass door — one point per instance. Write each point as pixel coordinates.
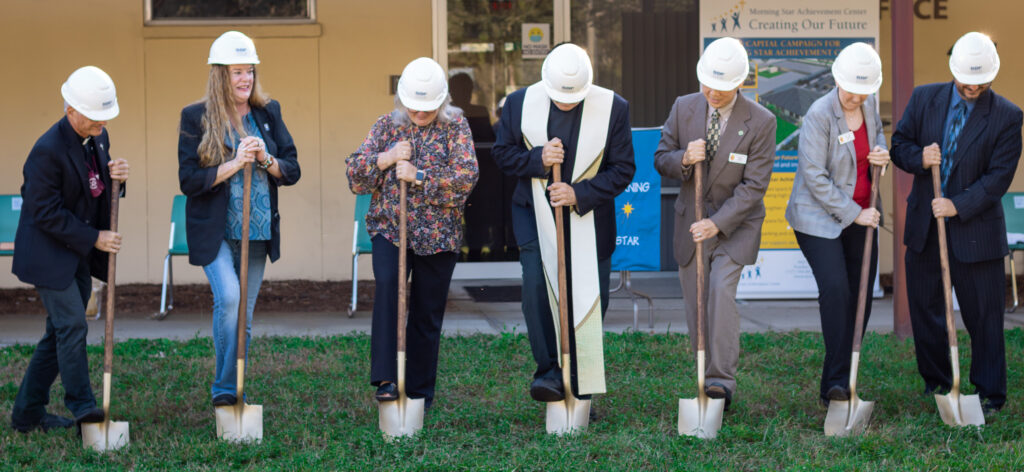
(486, 62)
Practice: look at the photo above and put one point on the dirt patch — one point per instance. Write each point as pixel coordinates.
(278, 295)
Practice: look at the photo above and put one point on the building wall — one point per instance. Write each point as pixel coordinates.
(331, 79)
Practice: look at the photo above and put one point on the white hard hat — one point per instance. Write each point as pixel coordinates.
(858, 69)
(567, 74)
(91, 92)
(423, 86)
(974, 60)
(724, 65)
(233, 48)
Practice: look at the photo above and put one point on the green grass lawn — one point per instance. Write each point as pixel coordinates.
(319, 413)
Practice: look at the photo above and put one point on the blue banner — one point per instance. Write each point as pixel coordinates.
(638, 210)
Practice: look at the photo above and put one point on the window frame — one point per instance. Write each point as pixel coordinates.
(148, 19)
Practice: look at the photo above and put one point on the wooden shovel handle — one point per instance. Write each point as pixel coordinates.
(108, 332)
(403, 217)
(563, 302)
(698, 203)
(243, 266)
(947, 285)
(865, 265)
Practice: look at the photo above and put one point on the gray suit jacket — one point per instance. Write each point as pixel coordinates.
(733, 192)
(822, 200)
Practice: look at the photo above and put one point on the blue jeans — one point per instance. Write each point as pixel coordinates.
(223, 276)
(60, 351)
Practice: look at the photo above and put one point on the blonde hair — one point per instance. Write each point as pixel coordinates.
(221, 115)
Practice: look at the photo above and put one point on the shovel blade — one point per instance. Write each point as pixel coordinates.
(240, 423)
(848, 418)
(568, 416)
(402, 417)
(105, 436)
(702, 421)
(960, 410)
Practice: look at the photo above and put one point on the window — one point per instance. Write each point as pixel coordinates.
(229, 11)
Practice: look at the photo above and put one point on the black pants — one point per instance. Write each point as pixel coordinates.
(61, 351)
(836, 264)
(428, 295)
(540, 324)
(980, 289)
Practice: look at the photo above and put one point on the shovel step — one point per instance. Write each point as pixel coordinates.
(702, 421)
(106, 436)
(240, 423)
(848, 418)
(402, 417)
(567, 416)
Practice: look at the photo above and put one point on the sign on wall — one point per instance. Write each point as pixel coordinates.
(791, 45)
(536, 40)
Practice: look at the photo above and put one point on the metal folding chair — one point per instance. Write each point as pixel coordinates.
(360, 244)
(177, 245)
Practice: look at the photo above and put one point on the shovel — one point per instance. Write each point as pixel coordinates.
(570, 414)
(241, 422)
(954, 408)
(108, 435)
(402, 416)
(846, 418)
(701, 416)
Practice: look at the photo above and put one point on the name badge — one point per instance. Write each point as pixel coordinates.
(846, 137)
(737, 158)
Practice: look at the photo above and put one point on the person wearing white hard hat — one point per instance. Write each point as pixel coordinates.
(731, 140)
(426, 143)
(235, 124)
(841, 137)
(61, 244)
(974, 136)
(566, 120)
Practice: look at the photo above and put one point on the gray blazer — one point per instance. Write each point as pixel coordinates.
(822, 200)
(733, 192)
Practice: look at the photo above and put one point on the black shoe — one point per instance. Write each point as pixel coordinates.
(92, 415)
(47, 423)
(989, 407)
(718, 391)
(547, 389)
(387, 392)
(935, 390)
(224, 399)
(837, 393)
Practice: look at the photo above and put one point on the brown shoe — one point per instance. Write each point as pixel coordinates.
(718, 391)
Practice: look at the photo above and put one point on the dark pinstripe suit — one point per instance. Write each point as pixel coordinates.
(983, 167)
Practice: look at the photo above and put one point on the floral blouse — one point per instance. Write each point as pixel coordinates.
(445, 152)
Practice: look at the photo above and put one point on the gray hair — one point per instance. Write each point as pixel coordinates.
(446, 112)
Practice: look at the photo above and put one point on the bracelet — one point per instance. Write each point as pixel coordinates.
(267, 163)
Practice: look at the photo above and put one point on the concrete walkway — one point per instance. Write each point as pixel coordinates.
(465, 316)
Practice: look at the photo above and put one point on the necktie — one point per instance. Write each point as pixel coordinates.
(949, 145)
(711, 143)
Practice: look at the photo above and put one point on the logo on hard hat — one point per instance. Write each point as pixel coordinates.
(241, 50)
(717, 73)
(568, 88)
(975, 68)
(862, 78)
(420, 93)
(108, 104)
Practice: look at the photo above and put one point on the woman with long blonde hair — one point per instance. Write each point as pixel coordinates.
(233, 125)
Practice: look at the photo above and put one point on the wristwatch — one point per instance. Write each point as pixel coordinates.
(421, 175)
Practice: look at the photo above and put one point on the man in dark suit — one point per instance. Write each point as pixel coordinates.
(585, 128)
(974, 135)
(737, 137)
(60, 245)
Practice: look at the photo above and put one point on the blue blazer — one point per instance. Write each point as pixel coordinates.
(983, 167)
(597, 194)
(206, 208)
(58, 227)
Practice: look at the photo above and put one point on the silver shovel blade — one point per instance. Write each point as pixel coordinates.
(568, 416)
(702, 421)
(960, 410)
(848, 418)
(105, 436)
(402, 417)
(240, 423)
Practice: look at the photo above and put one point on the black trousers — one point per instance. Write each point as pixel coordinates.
(836, 264)
(60, 351)
(540, 325)
(428, 295)
(980, 289)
